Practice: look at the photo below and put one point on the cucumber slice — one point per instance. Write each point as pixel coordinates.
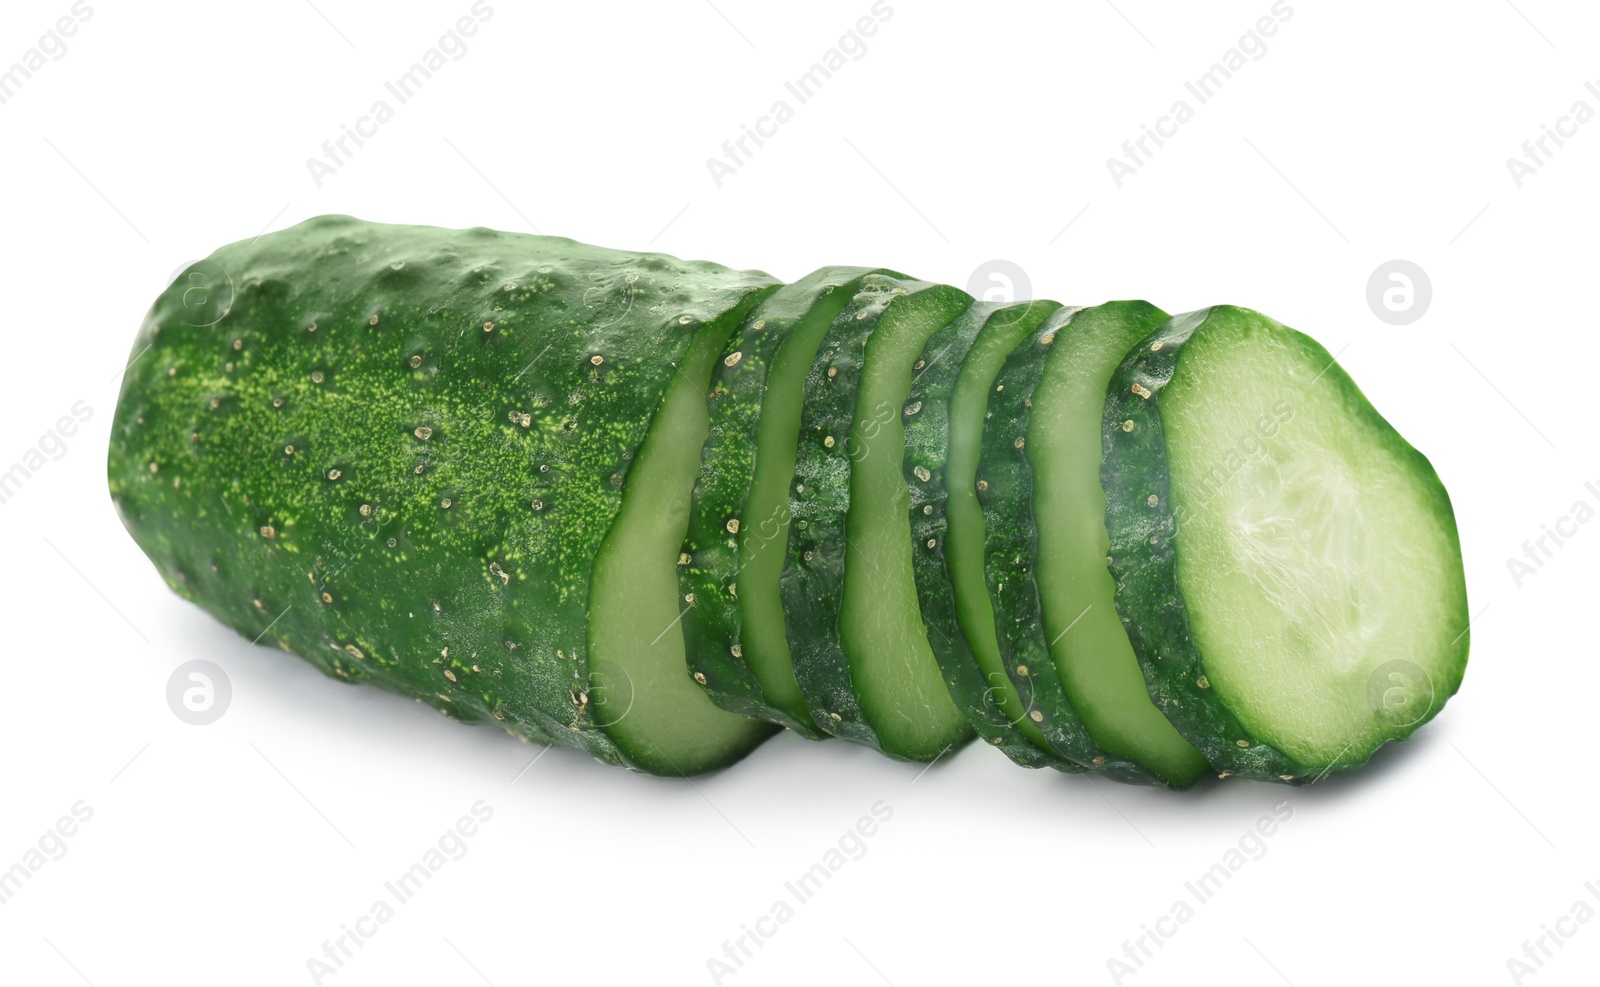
(892, 665)
(973, 670)
(657, 714)
(859, 648)
(395, 450)
(1005, 489)
(739, 529)
(1287, 565)
(1088, 646)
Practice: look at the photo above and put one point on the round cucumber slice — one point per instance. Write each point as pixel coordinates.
(1090, 649)
(1287, 565)
(860, 650)
(976, 674)
(1006, 483)
(733, 557)
(892, 664)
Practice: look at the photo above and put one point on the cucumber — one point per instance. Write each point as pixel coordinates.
(859, 648)
(1286, 564)
(1005, 489)
(395, 452)
(734, 555)
(655, 509)
(1088, 646)
(945, 438)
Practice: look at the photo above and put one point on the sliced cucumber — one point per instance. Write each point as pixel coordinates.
(638, 506)
(1005, 489)
(859, 647)
(646, 700)
(739, 529)
(1286, 564)
(973, 671)
(1088, 646)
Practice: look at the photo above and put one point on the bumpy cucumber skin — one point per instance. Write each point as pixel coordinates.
(710, 564)
(813, 577)
(812, 583)
(395, 450)
(1006, 492)
(1144, 557)
(1131, 319)
(927, 423)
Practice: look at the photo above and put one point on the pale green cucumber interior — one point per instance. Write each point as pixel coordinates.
(1317, 552)
(640, 683)
(964, 540)
(764, 534)
(892, 668)
(1088, 645)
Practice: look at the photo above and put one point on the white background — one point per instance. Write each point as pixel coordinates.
(1367, 131)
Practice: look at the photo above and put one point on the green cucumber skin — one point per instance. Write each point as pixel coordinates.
(343, 551)
(813, 578)
(656, 712)
(1113, 327)
(711, 627)
(812, 583)
(927, 449)
(1144, 561)
(1144, 552)
(1006, 493)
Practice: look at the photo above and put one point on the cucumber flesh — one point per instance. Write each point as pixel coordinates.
(1001, 708)
(812, 581)
(1088, 645)
(640, 684)
(765, 530)
(927, 448)
(896, 676)
(1296, 596)
(836, 424)
(1006, 493)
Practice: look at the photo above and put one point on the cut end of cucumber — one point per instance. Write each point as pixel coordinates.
(1313, 551)
(640, 686)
